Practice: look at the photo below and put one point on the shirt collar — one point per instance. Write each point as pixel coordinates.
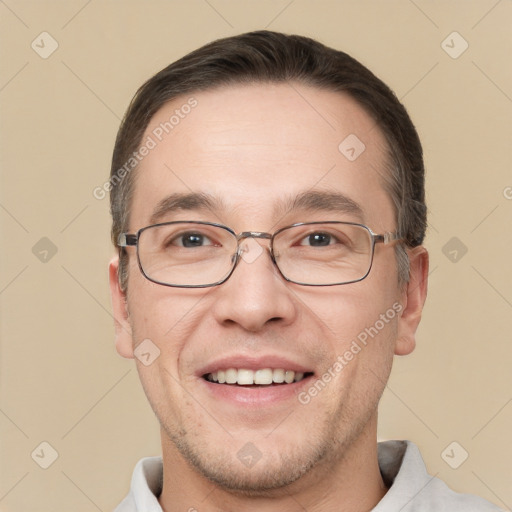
(400, 463)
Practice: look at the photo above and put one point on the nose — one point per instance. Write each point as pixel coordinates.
(256, 294)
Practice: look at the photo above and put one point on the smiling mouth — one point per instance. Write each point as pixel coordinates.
(262, 377)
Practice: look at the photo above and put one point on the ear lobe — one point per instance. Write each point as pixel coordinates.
(123, 330)
(413, 299)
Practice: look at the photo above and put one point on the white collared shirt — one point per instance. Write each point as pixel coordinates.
(411, 488)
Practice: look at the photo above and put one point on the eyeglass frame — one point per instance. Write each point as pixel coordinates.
(125, 240)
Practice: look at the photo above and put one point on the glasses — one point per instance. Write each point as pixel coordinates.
(194, 254)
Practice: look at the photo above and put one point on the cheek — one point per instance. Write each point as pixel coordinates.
(166, 319)
(164, 394)
(360, 334)
(161, 313)
(347, 311)
(360, 370)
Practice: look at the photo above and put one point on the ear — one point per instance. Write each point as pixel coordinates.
(413, 299)
(123, 330)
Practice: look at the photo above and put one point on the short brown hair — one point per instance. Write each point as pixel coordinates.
(272, 57)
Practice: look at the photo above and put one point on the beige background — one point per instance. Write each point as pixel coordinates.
(61, 379)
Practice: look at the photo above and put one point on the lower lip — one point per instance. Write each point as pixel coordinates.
(255, 396)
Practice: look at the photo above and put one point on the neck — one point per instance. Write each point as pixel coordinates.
(349, 483)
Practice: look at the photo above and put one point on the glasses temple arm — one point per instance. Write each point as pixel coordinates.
(126, 239)
(386, 238)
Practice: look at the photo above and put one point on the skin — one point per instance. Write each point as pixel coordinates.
(251, 145)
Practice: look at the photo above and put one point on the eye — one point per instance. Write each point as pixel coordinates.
(319, 239)
(191, 239)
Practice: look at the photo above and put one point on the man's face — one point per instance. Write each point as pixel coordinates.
(255, 148)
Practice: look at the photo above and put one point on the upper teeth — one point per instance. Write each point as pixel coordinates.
(264, 376)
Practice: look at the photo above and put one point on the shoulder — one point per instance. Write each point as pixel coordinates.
(127, 505)
(145, 487)
(412, 489)
(437, 496)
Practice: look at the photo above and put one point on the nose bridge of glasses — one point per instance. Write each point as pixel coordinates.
(253, 234)
(254, 248)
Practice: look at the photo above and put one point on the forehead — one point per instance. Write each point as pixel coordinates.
(256, 147)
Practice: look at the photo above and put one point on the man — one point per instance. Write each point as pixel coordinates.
(267, 196)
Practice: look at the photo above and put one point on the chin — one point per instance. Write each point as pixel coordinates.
(265, 478)
(248, 471)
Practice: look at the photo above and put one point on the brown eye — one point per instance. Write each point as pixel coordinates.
(191, 239)
(319, 239)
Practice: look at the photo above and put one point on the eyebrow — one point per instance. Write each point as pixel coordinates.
(319, 201)
(197, 201)
(309, 201)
